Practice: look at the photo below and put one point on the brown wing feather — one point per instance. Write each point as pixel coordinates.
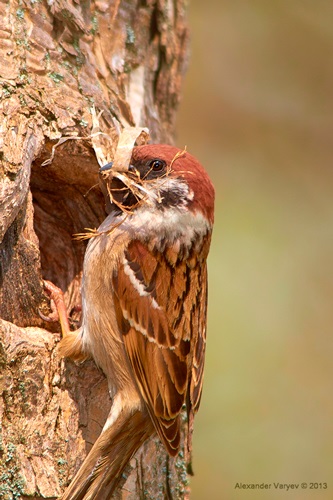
(160, 305)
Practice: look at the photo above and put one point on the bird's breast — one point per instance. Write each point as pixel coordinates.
(101, 336)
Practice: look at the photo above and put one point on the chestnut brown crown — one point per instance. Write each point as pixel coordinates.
(193, 188)
(163, 176)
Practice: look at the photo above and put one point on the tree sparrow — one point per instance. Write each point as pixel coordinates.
(144, 301)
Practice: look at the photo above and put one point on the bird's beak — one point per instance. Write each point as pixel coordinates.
(109, 173)
(103, 179)
(106, 167)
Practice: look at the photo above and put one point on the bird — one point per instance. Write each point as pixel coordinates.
(144, 307)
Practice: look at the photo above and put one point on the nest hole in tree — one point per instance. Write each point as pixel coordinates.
(67, 200)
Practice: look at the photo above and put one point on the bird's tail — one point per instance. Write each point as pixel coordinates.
(101, 471)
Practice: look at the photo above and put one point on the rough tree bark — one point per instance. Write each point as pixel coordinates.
(57, 60)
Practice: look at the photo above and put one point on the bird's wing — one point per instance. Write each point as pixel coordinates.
(160, 300)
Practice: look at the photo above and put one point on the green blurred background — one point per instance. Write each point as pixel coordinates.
(257, 111)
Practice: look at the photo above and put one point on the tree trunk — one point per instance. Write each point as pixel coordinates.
(58, 60)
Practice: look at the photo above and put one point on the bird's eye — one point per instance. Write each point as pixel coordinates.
(157, 165)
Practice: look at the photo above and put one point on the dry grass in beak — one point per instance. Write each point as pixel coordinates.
(132, 184)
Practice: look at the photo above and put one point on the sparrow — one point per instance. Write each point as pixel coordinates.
(144, 306)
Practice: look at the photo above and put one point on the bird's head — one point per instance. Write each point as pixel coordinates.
(163, 178)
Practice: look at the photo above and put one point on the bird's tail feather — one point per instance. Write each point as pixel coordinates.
(101, 471)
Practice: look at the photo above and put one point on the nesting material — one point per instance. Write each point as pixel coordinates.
(127, 190)
(129, 137)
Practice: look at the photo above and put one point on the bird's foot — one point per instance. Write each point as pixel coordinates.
(58, 307)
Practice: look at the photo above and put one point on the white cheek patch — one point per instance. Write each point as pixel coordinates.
(172, 222)
(158, 189)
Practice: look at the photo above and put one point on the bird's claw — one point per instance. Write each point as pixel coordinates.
(58, 307)
(51, 318)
